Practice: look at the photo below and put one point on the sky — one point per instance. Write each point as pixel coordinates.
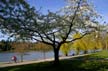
(101, 7)
(45, 5)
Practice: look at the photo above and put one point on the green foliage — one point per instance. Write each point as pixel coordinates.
(65, 48)
(104, 41)
(80, 44)
(88, 42)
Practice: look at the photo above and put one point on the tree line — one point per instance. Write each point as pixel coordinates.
(6, 45)
(92, 42)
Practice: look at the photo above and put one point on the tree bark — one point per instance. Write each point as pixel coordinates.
(66, 54)
(85, 52)
(56, 56)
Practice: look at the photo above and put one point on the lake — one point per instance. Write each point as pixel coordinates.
(32, 55)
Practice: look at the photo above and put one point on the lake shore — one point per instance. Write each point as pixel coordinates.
(7, 64)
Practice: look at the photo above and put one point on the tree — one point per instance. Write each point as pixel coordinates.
(5, 45)
(55, 29)
(92, 41)
(65, 48)
(97, 40)
(104, 41)
(77, 44)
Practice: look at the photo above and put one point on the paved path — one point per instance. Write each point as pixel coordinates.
(38, 61)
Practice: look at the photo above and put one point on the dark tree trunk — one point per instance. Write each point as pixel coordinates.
(66, 54)
(56, 48)
(77, 53)
(85, 52)
(56, 56)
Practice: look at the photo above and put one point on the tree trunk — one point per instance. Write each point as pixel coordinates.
(85, 52)
(44, 55)
(66, 54)
(106, 46)
(56, 56)
(21, 57)
(77, 52)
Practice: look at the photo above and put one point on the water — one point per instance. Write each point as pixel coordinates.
(32, 55)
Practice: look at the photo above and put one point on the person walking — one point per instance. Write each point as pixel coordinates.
(14, 58)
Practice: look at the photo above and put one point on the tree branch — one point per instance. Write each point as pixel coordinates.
(79, 37)
(71, 24)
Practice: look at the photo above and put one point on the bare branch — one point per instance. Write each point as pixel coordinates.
(78, 38)
(71, 24)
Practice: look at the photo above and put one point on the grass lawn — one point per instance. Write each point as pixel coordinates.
(67, 65)
(100, 55)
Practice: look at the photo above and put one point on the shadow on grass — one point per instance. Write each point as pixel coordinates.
(65, 65)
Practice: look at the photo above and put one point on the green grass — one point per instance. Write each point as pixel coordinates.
(66, 65)
(100, 55)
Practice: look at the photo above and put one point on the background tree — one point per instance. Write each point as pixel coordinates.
(65, 48)
(20, 20)
(90, 42)
(104, 41)
(5, 45)
(77, 44)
